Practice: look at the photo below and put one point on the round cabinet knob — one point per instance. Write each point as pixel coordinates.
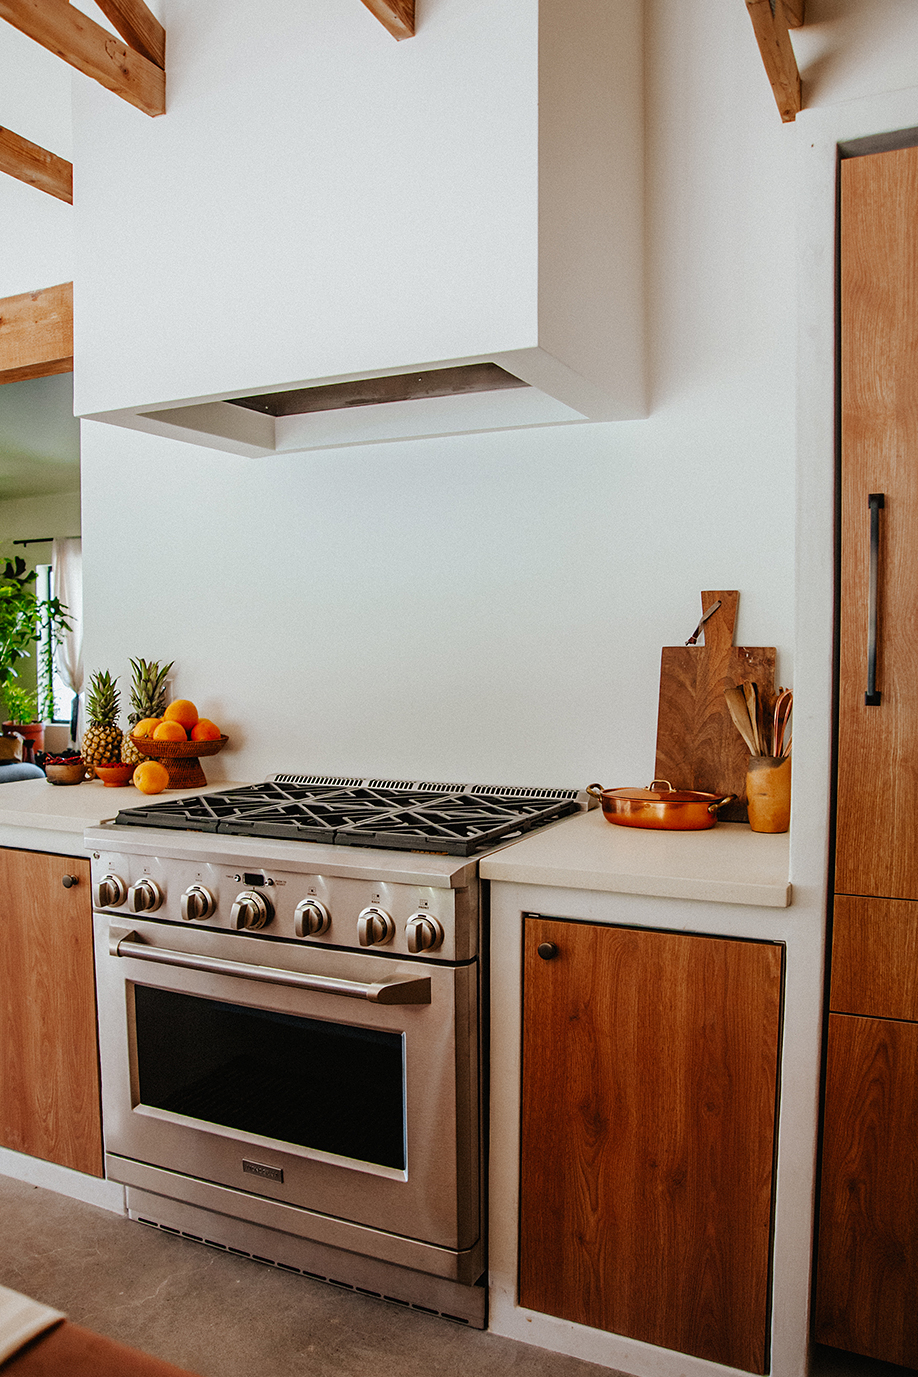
(68, 881)
(111, 892)
(424, 932)
(197, 903)
(250, 911)
(547, 950)
(311, 918)
(374, 927)
(144, 896)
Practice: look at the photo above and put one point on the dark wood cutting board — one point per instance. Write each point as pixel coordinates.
(698, 747)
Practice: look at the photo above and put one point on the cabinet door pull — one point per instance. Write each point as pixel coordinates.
(547, 950)
(875, 501)
(68, 881)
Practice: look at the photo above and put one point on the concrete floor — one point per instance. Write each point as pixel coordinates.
(223, 1316)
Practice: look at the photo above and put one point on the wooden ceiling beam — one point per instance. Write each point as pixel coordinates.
(36, 333)
(395, 15)
(140, 29)
(29, 163)
(66, 31)
(770, 23)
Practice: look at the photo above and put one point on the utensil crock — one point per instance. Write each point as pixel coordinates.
(768, 789)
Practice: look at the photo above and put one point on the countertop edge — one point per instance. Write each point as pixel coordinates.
(56, 841)
(770, 895)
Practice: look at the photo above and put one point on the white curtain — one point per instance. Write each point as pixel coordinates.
(67, 585)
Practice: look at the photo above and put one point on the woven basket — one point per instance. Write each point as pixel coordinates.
(181, 758)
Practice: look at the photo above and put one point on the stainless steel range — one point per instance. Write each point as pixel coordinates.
(290, 990)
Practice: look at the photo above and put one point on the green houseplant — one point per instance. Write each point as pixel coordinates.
(21, 704)
(22, 618)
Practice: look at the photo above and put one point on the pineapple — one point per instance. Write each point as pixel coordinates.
(148, 699)
(102, 738)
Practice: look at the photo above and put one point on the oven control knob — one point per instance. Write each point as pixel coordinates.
(251, 911)
(424, 932)
(197, 903)
(311, 918)
(111, 892)
(374, 927)
(144, 896)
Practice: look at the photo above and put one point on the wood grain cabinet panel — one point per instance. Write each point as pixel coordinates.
(49, 1065)
(648, 1135)
(875, 957)
(866, 1296)
(867, 1290)
(878, 743)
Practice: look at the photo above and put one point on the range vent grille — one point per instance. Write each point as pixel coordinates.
(302, 1272)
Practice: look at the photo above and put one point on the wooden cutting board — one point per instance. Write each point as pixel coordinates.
(698, 746)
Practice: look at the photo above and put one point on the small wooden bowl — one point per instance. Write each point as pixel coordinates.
(181, 758)
(74, 772)
(115, 775)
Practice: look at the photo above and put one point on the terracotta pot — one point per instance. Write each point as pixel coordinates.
(32, 734)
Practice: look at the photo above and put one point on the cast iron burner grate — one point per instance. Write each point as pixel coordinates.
(457, 819)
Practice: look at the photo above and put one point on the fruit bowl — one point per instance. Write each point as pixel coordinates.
(181, 758)
(115, 775)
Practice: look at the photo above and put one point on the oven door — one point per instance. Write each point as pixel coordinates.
(342, 1084)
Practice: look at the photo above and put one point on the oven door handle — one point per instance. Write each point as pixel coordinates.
(416, 990)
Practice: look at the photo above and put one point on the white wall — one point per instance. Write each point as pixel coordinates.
(485, 607)
(493, 607)
(32, 518)
(35, 229)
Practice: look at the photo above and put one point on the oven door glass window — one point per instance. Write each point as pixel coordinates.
(332, 1087)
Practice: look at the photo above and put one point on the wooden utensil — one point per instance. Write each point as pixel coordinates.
(698, 744)
(736, 703)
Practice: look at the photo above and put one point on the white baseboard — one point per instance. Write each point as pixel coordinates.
(107, 1195)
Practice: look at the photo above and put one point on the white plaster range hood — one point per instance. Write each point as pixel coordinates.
(449, 240)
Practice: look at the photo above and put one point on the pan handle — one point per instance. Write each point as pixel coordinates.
(875, 501)
(719, 803)
(595, 790)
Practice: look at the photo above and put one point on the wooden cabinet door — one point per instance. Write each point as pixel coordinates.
(650, 1066)
(875, 957)
(867, 1287)
(49, 1066)
(878, 745)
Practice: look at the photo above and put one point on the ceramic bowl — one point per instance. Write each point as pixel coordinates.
(73, 772)
(113, 776)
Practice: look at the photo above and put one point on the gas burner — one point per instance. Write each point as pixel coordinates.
(455, 819)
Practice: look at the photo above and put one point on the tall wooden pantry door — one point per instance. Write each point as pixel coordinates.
(867, 1268)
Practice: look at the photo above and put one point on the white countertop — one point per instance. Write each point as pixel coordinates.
(727, 863)
(36, 815)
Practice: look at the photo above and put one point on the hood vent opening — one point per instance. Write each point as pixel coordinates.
(399, 387)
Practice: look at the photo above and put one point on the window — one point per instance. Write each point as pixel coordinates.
(54, 696)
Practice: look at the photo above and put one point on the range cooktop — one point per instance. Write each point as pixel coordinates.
(455, 819)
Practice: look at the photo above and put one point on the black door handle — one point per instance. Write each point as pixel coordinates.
(875, 501)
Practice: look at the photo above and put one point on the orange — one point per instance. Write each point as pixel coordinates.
(151, 777)
(146, 726)
(182, 710)
(169, 731)
(205, 730)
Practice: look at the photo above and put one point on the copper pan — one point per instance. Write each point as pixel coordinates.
(663, 808)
